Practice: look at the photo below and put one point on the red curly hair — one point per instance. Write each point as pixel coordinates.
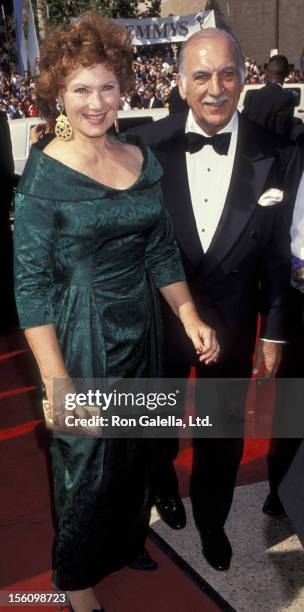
(89, 40)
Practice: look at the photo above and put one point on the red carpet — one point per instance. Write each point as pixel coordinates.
(25, 517)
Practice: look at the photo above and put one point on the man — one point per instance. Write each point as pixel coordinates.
(288, 424)
(284, 459)
(272, 106)
(236, 259)
(135, 100)
(150, 100)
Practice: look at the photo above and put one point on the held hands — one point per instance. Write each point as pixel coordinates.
(204, 340)
(267, 359)
(203, 337)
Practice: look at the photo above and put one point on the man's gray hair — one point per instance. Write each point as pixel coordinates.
(212, 33)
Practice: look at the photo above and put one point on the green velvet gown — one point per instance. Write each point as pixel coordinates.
(88, 258)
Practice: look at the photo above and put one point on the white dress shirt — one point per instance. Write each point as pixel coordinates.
(209, 176)
(297, 226)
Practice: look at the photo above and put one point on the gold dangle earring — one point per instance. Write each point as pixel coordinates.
(63, 128)
(116, 124)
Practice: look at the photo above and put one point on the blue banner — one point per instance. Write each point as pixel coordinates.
(20, 40)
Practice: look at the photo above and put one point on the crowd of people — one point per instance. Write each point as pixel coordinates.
(155, 76)
(17, 92)
(256, 73)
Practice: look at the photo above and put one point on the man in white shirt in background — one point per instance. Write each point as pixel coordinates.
(288, 422)
(222, 188)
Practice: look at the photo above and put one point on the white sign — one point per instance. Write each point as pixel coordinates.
(154, 30)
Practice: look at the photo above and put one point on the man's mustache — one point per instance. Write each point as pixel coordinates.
(218, 100)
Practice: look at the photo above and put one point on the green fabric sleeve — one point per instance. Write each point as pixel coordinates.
(163, 257)
(34, 247)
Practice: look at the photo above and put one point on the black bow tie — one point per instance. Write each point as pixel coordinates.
(220, 142)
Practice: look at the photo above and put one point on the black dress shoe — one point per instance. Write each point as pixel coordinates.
(144, 562)
(272, 505)
(216, 548)
(171, 510)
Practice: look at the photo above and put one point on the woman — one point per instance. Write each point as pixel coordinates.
(92, 242)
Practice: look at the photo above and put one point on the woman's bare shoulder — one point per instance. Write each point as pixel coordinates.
(55, 149)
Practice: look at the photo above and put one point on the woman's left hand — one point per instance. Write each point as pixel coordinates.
(204, 340)
(203, 337)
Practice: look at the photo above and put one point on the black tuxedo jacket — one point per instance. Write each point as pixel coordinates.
(246, 268)
(156, 103)
(272, 107)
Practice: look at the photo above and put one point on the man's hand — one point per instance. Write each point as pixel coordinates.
(267, 359)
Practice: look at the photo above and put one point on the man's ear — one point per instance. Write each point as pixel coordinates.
(181, 87)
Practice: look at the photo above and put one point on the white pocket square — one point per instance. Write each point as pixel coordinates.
(271, 197)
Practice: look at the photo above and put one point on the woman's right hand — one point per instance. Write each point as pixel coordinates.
(54, 374)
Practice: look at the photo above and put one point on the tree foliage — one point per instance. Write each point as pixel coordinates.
(60, 11)
(152, 9)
